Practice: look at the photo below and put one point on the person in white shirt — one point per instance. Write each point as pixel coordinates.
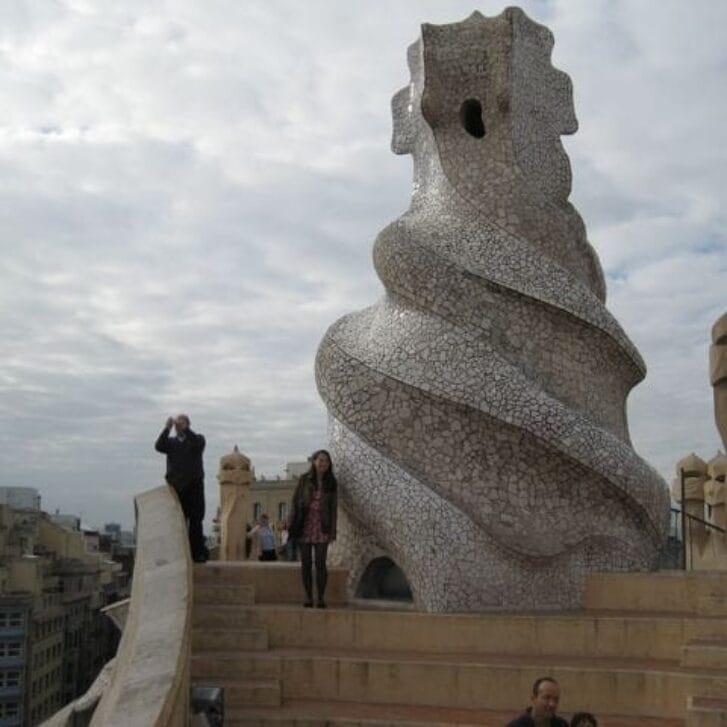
(264, 538)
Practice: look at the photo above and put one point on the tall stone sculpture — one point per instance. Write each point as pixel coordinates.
(477, 411)
(718, 374)
(234, 478)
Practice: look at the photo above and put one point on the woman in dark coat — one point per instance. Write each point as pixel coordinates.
(313, 522)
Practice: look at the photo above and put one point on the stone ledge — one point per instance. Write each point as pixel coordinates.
(278, 582)
(574, 634)
(311, 713)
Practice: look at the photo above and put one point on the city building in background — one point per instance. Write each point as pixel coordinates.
(273, 496)
(55, 576)
(26, 498)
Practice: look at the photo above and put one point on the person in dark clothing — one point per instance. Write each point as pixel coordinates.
(185, 473)
(543, 703)
(313, 522)
(583, 719)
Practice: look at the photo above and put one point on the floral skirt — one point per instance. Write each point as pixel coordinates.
(312, 532)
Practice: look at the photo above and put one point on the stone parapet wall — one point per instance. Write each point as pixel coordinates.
(150, 683)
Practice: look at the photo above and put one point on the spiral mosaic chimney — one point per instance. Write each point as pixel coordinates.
(477, 417)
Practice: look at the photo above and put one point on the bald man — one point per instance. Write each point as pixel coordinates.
(543, 703)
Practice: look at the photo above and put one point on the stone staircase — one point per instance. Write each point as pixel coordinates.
(648, 648)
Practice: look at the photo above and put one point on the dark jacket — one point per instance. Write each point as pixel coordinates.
(526, 720)
(184, 458)
(301, 501)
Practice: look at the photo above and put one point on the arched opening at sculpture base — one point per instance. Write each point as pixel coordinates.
(383, 580)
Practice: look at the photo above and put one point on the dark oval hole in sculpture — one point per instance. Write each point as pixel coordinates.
(470, 114)
(384, 580)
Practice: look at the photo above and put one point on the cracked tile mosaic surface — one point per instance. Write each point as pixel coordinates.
(477, 410)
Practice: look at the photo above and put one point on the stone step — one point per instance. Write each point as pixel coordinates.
(227, 616)
(705, 654)
(310, 713)
(212, 667)
(713, 603)
(648, 688)
(278, 582)
(216, 594)
(568, 634)
(248, 692)
(237, 639)
(706, 712)
(692, 592)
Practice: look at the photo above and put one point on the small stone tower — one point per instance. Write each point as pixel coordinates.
(234, 478)
(715, 491)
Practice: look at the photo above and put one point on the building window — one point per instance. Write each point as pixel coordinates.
(257, 510)
(9, 678)
(12, 618)
(9, 709)
(10, 648)
(282, 511)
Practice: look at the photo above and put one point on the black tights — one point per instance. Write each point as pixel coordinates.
(306, 559)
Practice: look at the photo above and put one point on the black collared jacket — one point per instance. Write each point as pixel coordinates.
(184, 459)
(526, 720)
(301, 501)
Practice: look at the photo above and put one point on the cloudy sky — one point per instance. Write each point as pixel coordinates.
(190, 192)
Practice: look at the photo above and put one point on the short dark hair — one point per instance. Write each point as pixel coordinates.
(539, 681)
(583, 718)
